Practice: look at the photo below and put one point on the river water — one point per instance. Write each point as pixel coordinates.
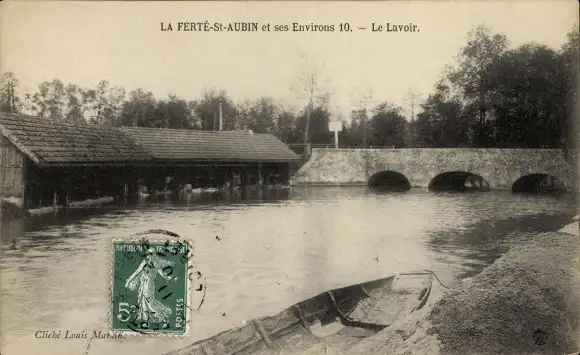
(272, 249)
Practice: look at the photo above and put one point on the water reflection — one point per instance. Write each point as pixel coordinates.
(274, 248)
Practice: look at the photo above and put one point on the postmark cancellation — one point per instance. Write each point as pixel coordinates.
(150, 286)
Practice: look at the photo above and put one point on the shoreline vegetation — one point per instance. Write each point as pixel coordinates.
(526, 302)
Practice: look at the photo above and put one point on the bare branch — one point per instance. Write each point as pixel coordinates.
(312, 87)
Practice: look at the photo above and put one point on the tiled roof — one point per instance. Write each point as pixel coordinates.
(225, 146)
(50, 142)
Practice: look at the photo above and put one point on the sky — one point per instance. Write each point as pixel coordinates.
(122, 42)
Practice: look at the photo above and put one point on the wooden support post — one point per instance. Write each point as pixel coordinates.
(260, 181)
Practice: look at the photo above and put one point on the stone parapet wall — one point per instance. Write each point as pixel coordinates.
(500, 167)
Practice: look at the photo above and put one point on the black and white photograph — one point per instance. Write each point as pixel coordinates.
(289, 177)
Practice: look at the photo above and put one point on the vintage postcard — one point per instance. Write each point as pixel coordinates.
(289, 177)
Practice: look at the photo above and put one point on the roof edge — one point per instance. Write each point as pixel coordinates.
(239, 131)
(156, 163)
(6, 133)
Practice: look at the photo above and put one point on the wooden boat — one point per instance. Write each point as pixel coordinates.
(341, 317)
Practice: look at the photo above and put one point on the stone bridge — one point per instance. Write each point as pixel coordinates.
(500, 169)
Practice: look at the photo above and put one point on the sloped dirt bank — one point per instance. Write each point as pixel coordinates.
(527, 302)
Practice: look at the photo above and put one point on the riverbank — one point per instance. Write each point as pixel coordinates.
(527, 302)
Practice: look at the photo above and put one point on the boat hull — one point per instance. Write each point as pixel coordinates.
(339, 318)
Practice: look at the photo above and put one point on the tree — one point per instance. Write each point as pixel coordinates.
(104, 104)
(311, 87)
(172, 113)
(569, 61)
(286, 126)
(388, 126)
(315, 121)
(442, 122)
(74, 103)
(357, 131)
(360, 118)
(472, 77)
(195, 120)
(528, 106)
(259, 115)
(497, 97)
(9, 98)
(412, 98)
(138, 109)
(207, 110)
(50, 100)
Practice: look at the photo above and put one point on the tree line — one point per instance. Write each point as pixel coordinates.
(492, 96)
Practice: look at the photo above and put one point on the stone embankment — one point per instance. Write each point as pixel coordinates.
(527, 302)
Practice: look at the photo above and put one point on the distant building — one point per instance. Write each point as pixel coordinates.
(50, 163)
(214, 158)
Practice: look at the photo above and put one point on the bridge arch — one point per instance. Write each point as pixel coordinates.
(458, 181)
(539, 183)
(389, 180)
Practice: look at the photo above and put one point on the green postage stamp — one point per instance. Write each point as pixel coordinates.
(150, 287)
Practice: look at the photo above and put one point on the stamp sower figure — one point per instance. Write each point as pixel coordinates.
(143, 280)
